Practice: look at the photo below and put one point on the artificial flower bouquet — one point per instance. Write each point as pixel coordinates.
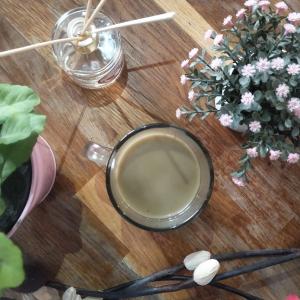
(254, 82)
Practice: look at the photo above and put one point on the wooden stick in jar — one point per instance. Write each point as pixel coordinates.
(88, 11)
(38, 45)
(156, 18)
(92, 17)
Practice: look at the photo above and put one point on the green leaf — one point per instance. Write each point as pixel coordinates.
(20, 127)
(295, 132)
(288, 123)
(14, 155)
(16, 99)
(263, 150)
(244, 81)
(2, 206)
(11, 264)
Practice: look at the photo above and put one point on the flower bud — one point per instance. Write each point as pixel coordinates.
(193, 260)
(206, 272)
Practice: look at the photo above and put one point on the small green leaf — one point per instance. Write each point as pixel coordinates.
(11, 264)
(244, 81)
(16, 99)
(288, 123)
(295, 132)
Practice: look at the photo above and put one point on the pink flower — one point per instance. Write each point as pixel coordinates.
(185, 63)
(294, 18)
(255, 126)
(277, 63)
(282, 90)
(248, 70)
(216, 63)
(241, 14)
(293, 69)
(183, 79)
(294, 104)
(238, 181)
(293, 158)
(208, 34)
(226, 120)
(274, 154)
(292, 297)
(228, 21)
(191, 95)
(193, 52)
(218, 39)
(178, 113)
(247, 98)
(250, 3)
(297, 113)
(281, 8)
(289, 28)
(264, 4)
(252, 152)
(263, 65)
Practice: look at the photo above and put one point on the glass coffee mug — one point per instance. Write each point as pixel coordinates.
(158, 177)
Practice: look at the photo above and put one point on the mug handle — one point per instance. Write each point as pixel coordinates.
(98, 154)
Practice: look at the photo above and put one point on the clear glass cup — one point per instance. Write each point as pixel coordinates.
(96, 66)
(109, 158)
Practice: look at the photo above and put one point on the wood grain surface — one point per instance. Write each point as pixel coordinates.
(76, 236)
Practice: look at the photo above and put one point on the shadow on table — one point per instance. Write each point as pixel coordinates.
(49, 234)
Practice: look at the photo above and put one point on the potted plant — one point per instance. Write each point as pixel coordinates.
(253, 82)
(27, 165)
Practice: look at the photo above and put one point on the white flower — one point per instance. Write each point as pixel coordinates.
(294, 18)
(263, 65)
(264, 4)
(206, 272)
(247, 98)
(293, 158)
(183, 79)
(250, 3)
(252, 152)
(226, 120)
(289, 28)
(277, 63)
(218, 39)
(178, 113)
(248, 70)
(281, 6)
(193, 52)
(191, 95)
(294, 104)
(255, 126)
(193, 260)
(185, 63)
(282, 90)
(228, 21)
(208, 34)
(241, 14)
(216, 63)
(238, 181)
(70, 294)
(293, 69)
(275, 154)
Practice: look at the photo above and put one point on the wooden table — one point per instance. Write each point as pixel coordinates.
(76, 236)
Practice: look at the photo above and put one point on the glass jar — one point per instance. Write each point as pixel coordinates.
(94, 66)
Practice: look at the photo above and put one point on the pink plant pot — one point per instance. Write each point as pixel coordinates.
(43, 176)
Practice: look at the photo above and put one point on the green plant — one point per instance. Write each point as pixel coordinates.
(11, 264)
(19, 129)
(255, 80)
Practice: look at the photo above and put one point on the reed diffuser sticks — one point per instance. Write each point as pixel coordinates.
(88, 21)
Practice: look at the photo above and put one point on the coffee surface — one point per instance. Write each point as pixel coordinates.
(157, 174)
